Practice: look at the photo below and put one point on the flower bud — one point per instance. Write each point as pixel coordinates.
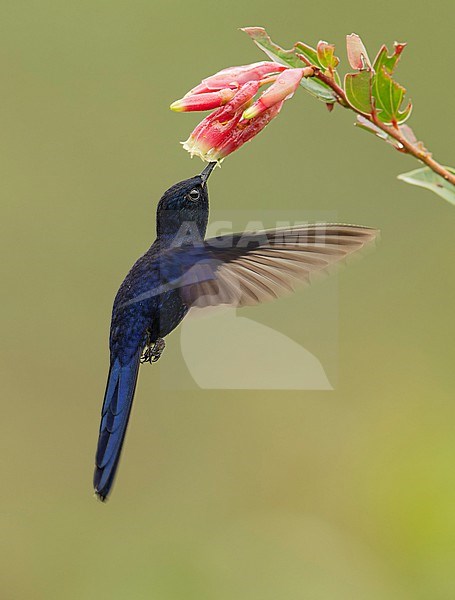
(234, 77)
(241, 99)
(283, 88)
(205, 101)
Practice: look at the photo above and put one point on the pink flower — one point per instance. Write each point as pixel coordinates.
(244, 131)
(236, 76)
(203, 101)
(284, 87)
(215, 129)
(236, 119)
(214, 138)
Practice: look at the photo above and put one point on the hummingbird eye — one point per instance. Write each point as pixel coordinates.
(194, 194)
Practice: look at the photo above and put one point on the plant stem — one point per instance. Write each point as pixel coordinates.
(419, 153)
(394, 132)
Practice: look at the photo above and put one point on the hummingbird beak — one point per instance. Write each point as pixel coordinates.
(206, 172)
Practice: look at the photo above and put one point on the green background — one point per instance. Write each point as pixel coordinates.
(222, 494)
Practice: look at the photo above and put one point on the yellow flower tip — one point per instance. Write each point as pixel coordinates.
(251, 112)
(177, 106)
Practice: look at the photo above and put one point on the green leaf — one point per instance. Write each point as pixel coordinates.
(358, 90)
(337, 78)
(388, 93)
(309, 53)
(326, 55)
(273, 51)
(430, 180)
(388, 62)
(290, 58)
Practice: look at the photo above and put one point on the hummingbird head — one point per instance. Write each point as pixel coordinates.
(185, 206)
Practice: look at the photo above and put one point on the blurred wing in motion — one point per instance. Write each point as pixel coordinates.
(253, 267)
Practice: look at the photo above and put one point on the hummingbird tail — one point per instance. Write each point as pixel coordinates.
(118, 400)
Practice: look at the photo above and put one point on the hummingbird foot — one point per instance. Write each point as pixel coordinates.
(153, 351)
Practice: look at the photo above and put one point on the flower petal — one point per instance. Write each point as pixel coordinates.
(206, 101)
(236, 76)
(283, 88)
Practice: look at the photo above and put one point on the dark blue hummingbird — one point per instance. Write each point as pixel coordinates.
(182, 269)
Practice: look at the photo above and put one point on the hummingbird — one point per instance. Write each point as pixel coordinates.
(181, 270)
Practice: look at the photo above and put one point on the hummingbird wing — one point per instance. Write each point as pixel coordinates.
(253, 267)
